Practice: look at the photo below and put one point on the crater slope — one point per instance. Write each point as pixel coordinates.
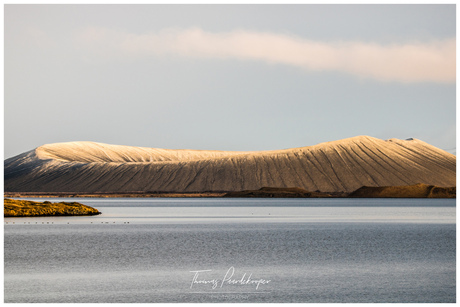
(338, 166)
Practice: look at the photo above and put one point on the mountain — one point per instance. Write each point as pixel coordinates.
(338, 166)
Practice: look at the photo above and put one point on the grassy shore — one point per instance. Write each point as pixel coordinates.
(26, 208)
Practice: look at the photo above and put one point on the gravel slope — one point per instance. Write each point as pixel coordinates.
(343, 165)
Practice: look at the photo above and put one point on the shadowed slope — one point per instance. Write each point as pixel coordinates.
(343, 165)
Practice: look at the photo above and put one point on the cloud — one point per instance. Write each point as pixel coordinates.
(432, 61)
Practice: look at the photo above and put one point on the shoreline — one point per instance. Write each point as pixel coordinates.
(410, 191)
(111, 195)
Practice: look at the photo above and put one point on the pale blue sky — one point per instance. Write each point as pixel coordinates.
(228, 77)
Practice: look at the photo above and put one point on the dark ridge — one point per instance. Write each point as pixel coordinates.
(272, 192)
(410, 191)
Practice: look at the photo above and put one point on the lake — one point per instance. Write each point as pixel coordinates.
(161, 250)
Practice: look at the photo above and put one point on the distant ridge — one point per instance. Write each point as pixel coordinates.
(338, 166)
(269, 192)
(410, 191)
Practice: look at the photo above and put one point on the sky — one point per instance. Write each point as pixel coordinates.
(228, 77)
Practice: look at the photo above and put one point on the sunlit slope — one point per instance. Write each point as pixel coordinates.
(98, 152)
(343, 165)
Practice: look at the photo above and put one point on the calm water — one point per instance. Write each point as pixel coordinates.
(236, 250)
